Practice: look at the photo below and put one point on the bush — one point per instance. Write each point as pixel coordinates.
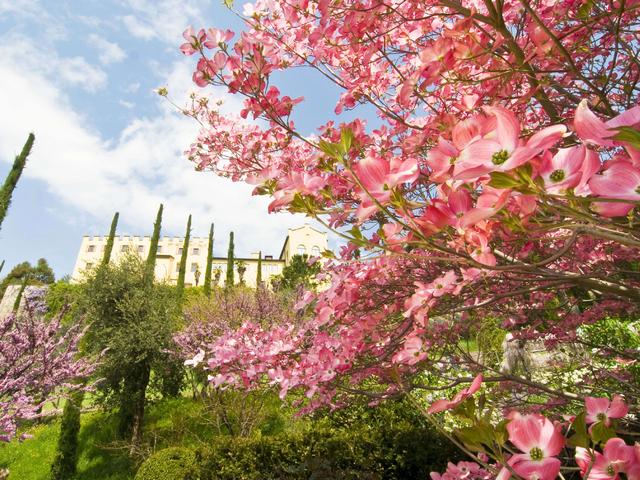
(175, 463)
(397, 452)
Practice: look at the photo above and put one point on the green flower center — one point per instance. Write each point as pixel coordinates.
(638, 189)
(439, 286)
(557, 175)
(611, 471)
(601, 417)
(500, 157)
(453, 160)
(536, 454)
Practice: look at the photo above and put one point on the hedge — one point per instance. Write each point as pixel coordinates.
(391, 454)
(176, 463)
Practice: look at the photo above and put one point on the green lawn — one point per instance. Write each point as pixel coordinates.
(168, 423)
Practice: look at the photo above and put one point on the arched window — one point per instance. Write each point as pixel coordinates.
(302, 250)
(315, 251)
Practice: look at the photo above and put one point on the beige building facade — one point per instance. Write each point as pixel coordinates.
(301, 240)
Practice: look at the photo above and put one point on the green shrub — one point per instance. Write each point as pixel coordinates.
(397, 452)
(174, 463)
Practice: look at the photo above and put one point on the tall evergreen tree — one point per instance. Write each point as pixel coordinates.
(153, 249)
(259, 273)
(12, 178)
(229, 281)
(207, 272)
(109, 246)
(183, 260)
(16, 303)
(65, 462)
(1, 265)
(66, 459)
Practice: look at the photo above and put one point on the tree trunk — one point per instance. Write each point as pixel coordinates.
(132, 403)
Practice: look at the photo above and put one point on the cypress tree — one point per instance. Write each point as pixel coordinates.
(66, 459)
(183, 260)
(64, 464)
(1, 265)
(12, 178)
(259, 274)
(153, 249)
(16, 303)
(229, 281)
(109, 246)
(207, 272)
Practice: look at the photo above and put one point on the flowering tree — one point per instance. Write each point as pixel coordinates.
(38, 357)
(501, 182)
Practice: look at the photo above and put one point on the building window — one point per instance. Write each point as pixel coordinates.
(124, 248)
(180, 250)
(140, 248)
(91, 248)
(315, 251)
(88, 265)
(159, 249)
(302, 249)
(194, 267)
(196, 251)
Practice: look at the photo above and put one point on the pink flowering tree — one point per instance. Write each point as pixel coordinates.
(501, 181)
(38, 359)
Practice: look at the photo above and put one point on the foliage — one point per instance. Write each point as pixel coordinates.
(397, 452)
(106, 257)
(183, 260)
(229, 280)
(12, 178)
(131, 321)
(153, 248)
(40, 274)
(38, 359)
(64, 465)
(175, 463)
(299, 273)
(259, 270)
(207, 272)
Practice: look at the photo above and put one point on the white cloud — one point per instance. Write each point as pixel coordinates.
(163, 19)
(133, 173)
(126, 104)
(74, 71)
(77, 71)
(138, 28)
(133, 87)
(110, 52)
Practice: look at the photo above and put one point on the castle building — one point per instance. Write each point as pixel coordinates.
(304, 240)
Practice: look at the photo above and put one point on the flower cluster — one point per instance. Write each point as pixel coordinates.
(38, 357)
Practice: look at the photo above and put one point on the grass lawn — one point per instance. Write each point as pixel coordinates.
(168, 423)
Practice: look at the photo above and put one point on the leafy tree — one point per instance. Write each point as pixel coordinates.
(131, 320)
(241, 266)
(207, 272)
(229, 281)
(34, 275)
(153, 248)
(12, 178)
(65, 462)
(183, 260)
(299, 273)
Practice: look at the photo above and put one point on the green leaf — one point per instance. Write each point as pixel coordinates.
(600, 433)
(585, 9)
(228, 3)
(580, 438)
(628, 135)
(331, 149)
(346, 140)
(503, 180)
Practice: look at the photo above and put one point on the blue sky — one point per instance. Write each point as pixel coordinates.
(80, 75)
